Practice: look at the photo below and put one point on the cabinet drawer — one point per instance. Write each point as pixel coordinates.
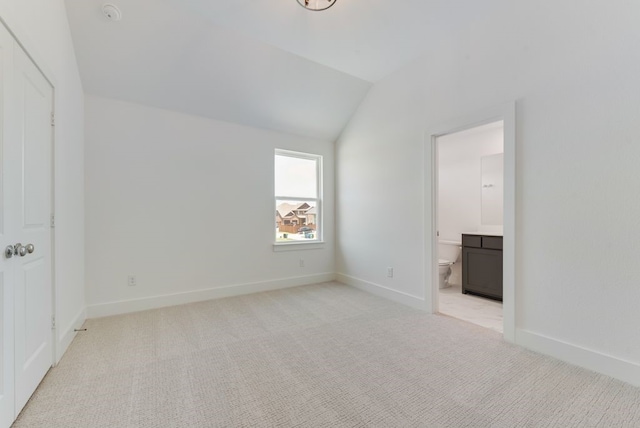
(492, 242)
(472, 241)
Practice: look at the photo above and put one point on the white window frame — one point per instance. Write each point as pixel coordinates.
(311, 243)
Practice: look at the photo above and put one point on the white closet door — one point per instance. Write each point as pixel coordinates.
(25, 206)
(8, 200)
(32, 278)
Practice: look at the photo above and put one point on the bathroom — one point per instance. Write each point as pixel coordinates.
(470, 223)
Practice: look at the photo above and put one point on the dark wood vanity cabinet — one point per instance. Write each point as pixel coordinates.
(482, 265)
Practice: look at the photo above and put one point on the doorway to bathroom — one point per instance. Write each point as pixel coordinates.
(471, 243)
(470, 224)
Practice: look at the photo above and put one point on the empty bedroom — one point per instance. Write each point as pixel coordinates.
(231, 214)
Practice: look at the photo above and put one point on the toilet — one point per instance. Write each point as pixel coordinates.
(448, 253)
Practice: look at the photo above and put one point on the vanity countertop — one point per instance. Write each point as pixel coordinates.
(483, 234)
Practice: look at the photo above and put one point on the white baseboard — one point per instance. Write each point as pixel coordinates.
(382, 291)
(625, 371)
(154, 302)
(69, 334)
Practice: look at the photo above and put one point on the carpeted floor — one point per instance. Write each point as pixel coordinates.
(325, 355)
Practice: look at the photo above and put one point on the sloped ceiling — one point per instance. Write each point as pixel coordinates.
(263, 63)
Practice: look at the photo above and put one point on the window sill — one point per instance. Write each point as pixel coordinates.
(296, 246)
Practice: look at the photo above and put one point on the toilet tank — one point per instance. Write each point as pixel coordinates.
(449, 250)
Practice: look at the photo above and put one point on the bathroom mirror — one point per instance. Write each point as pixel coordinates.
(492, 189)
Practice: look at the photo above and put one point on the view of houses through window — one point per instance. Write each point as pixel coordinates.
(297, 196)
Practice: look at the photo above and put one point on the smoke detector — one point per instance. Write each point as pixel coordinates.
(111, 12)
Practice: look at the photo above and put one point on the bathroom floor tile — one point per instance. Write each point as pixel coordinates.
(477, 310)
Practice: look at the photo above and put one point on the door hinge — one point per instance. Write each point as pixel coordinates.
(53, 220)
(53, 322)
(53, 119)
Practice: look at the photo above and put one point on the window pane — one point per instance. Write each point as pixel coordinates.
(296, 221)
(295, 177)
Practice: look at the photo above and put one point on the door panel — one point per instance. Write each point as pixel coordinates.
(35, 310)
(33, 354)
(32, 326)
(37, 140)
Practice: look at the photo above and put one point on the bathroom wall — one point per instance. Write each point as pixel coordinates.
(460, 183)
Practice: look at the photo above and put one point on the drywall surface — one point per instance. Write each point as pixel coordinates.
(186, 205)
(460, 178)
(41, 27)
(571, 69)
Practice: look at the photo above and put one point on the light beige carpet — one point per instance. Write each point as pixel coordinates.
(325, 355)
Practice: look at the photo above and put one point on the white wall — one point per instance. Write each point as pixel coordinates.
(41, 27)
(573, 69)
(186, 204)
(460, 178)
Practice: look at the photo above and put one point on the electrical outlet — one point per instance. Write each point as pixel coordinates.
(301, 263)
(131, 281)
(390, 272)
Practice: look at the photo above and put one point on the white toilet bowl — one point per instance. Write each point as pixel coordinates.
(444, 270)
(448, 253)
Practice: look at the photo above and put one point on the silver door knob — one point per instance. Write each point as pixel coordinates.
(8, 252)
(21, 250)
(30, 248)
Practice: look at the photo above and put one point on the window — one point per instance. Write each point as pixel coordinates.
(298, 197)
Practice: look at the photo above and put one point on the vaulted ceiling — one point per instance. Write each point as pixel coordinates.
(263, 63)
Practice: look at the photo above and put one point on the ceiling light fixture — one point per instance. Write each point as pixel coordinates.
(316, 5)
(111, 12)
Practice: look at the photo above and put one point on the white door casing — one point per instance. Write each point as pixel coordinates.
(26, 200)
(507, 114)
(7, 198)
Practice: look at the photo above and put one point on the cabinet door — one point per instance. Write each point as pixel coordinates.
(482, 272)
